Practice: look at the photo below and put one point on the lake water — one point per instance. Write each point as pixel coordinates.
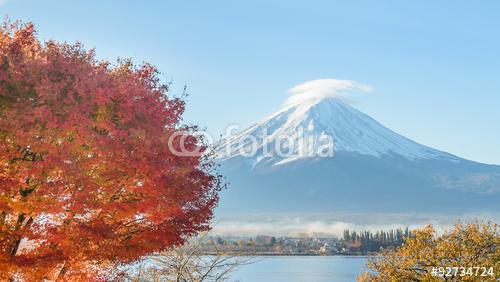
(301, 268)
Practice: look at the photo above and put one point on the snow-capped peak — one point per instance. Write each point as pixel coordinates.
(308, 130)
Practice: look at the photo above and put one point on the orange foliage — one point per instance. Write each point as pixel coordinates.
(87, 179)
(462, 247)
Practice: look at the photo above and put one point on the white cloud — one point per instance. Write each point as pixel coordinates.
(321, 88)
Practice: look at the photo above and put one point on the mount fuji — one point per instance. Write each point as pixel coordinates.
(323, 155)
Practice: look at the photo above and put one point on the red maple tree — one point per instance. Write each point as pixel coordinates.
(88, 177)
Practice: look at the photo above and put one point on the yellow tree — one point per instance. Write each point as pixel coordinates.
(467, 252)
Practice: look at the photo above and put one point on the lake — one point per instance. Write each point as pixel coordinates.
(301, 268)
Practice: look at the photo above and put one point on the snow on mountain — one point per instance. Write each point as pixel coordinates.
(306, 130)
(284, 164)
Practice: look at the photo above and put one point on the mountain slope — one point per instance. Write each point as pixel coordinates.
(324, 155)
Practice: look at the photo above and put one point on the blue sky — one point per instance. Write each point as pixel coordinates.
(434, 65)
